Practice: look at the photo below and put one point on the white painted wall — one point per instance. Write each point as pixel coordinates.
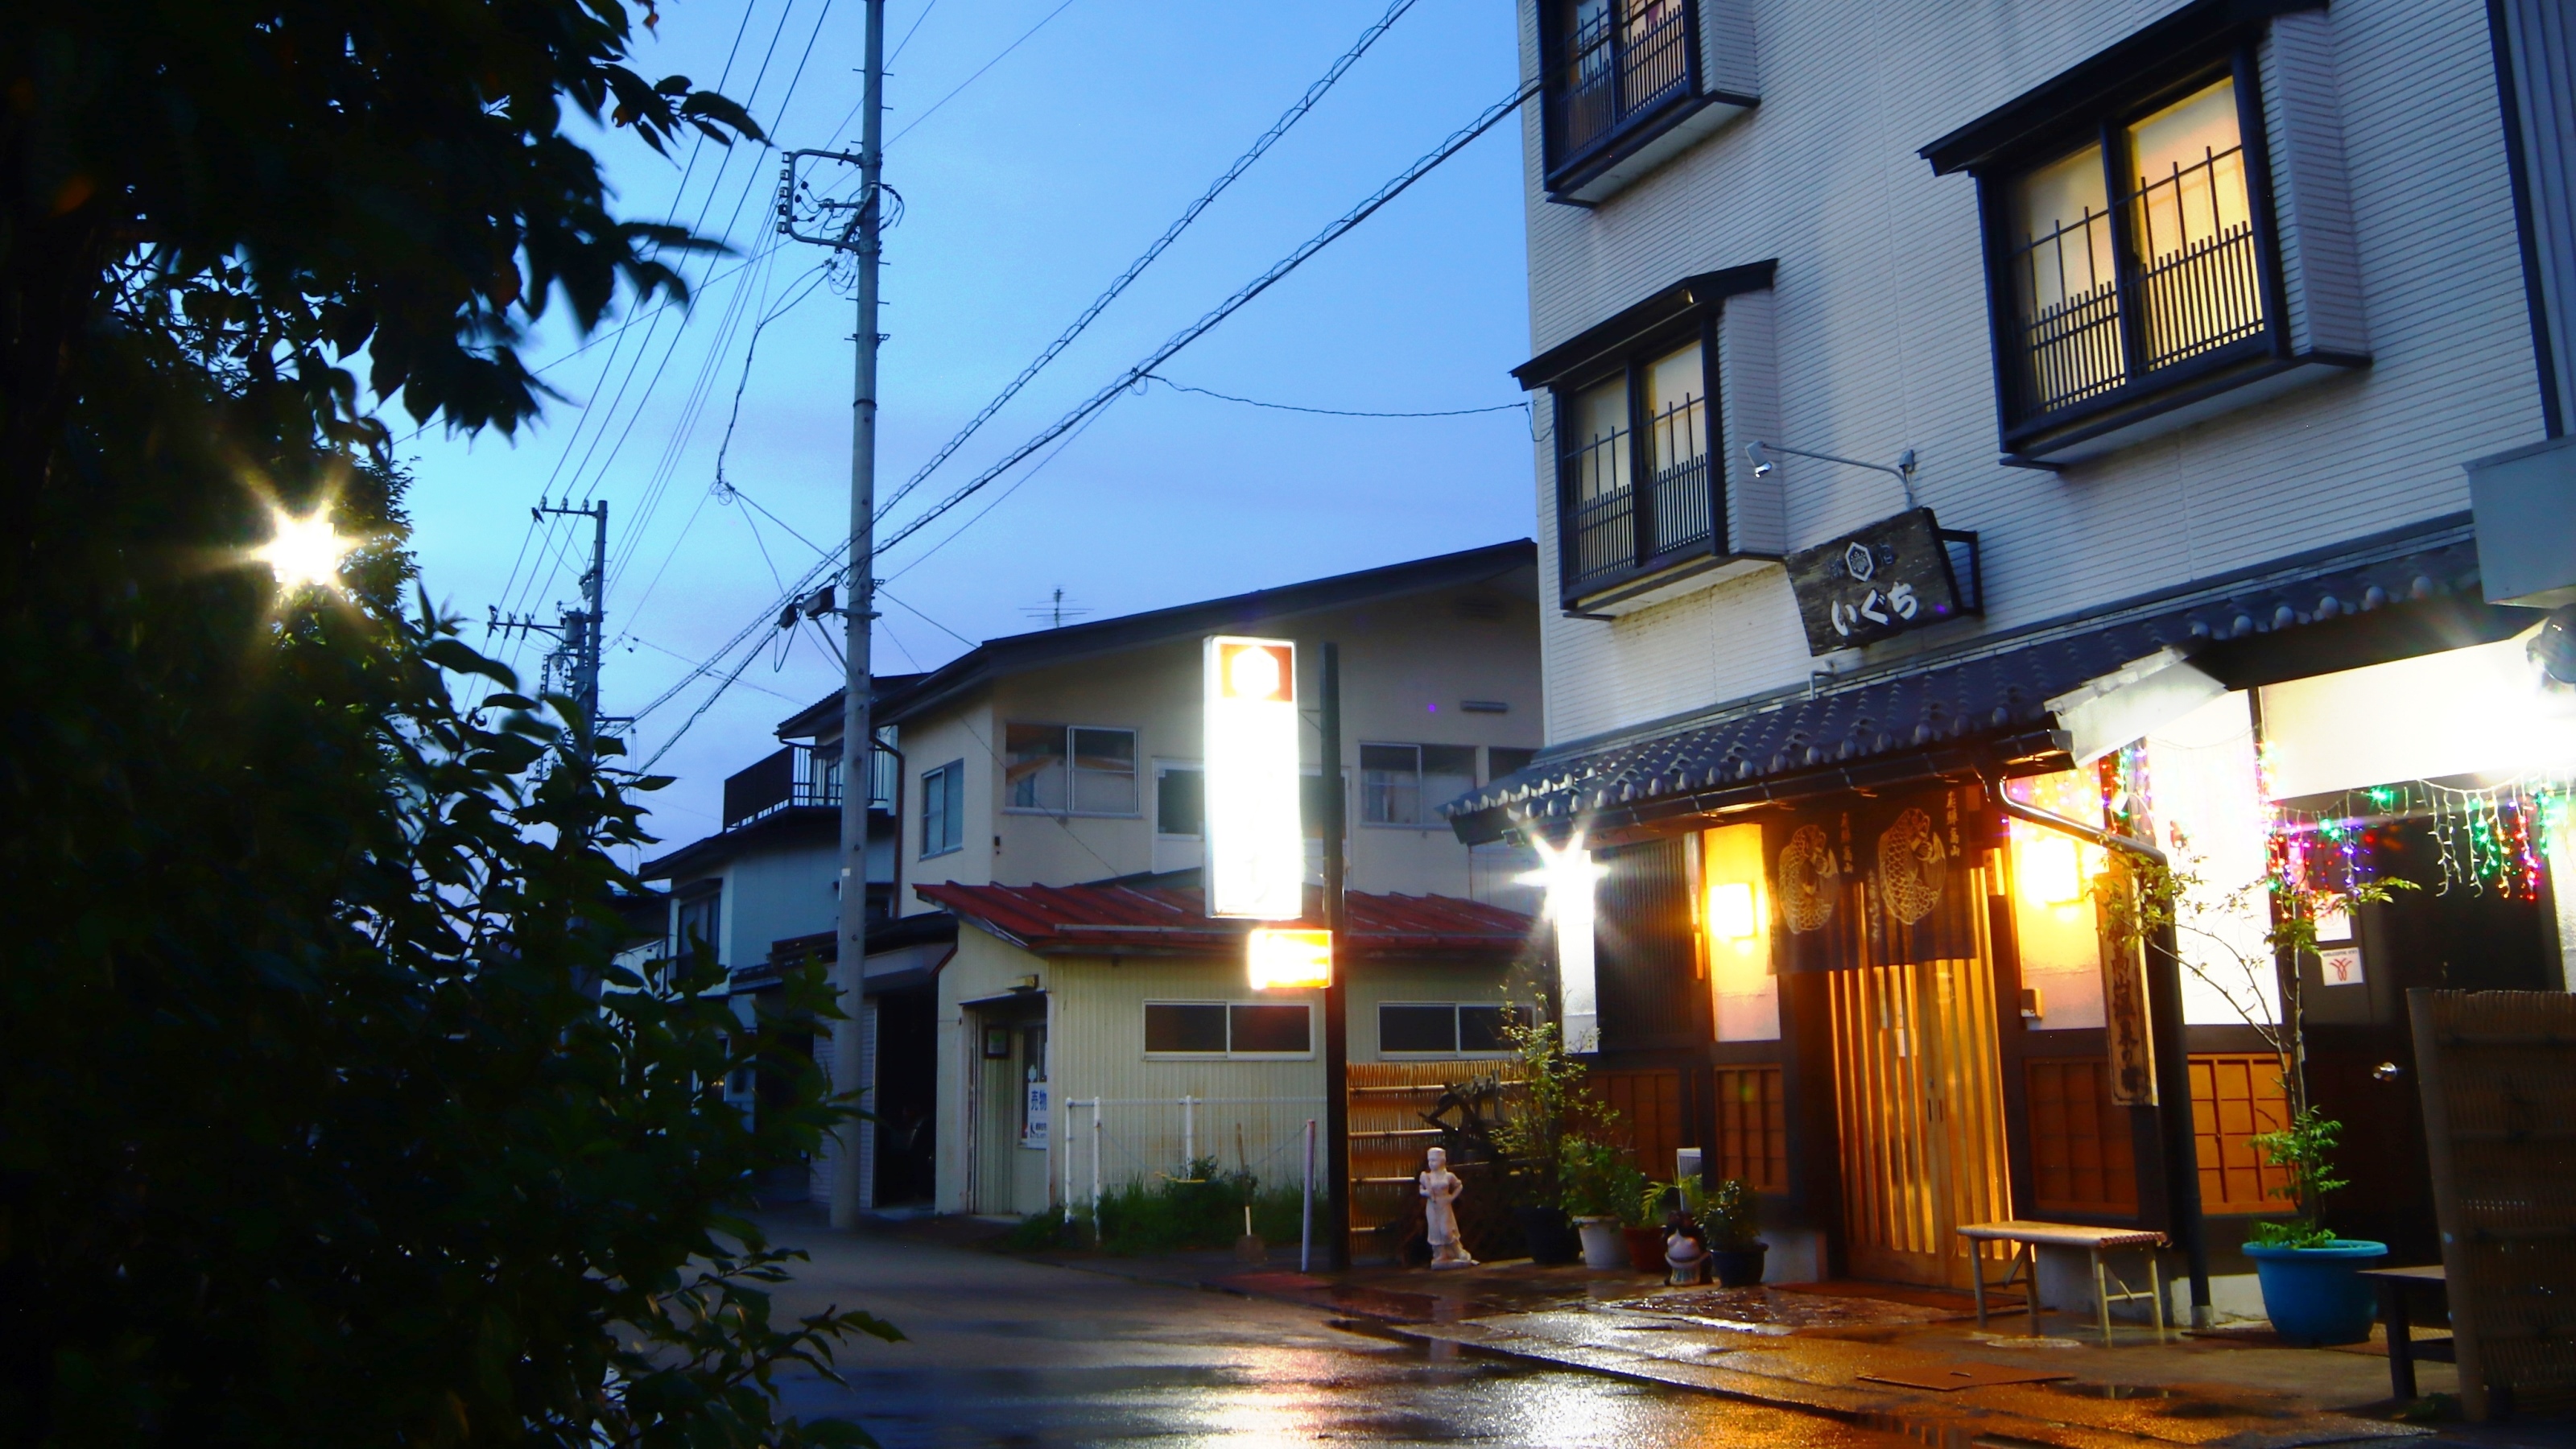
(1407, 666)
(1881, 314)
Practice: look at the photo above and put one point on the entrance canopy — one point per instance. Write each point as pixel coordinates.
(1985, 702)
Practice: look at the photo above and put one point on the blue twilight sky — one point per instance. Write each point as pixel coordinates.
(1025, 193)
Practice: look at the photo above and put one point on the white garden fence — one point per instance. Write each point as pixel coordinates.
(1109, 1142)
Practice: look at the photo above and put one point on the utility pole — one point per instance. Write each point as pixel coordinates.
(860, 234)
(1337, 1037)
(580, 634)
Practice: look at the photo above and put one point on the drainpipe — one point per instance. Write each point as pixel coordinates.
(894, 891)
(2173, 1062)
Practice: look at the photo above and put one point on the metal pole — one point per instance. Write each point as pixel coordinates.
(1306, 1215)
(1189, 1136)
(1095, 1167)
(1337, 1044)
(856, 736)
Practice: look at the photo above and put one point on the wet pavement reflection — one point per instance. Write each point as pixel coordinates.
(1359, 1394)
(1009, 1353)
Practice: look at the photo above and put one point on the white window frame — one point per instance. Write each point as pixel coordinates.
(1195, 767)
(1429, 811)
(1229, 1054)
(953, 777)
(1452, 1055)
(1136, 741)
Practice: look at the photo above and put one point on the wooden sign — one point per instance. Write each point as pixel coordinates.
(1876, 582)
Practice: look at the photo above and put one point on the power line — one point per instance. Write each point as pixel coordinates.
(1330, 412)
(1172, 233)
(830, 562)
(979, 72)
(1228, 307)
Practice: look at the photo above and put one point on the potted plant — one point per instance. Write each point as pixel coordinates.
(1551, 1108)
(1600, 1185)
(1641, 1221)
(1732, 1225)
(2313, 1290)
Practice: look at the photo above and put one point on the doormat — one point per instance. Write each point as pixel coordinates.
(1949, 1377)
(1777, 1311)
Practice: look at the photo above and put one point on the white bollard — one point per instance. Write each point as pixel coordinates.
(1189, 1133)
(1095, 1166)
(1306, 1227)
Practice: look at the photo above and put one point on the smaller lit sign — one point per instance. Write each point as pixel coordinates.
(2340, 965)
(1286, 958)
(1880, 581)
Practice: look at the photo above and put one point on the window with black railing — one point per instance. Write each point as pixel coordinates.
(2113, 289)
(1635, 477)
(1615, 60)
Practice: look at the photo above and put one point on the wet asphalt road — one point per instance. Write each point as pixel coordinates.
(1003, 1352)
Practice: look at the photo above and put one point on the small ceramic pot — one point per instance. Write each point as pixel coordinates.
(1602, 1248)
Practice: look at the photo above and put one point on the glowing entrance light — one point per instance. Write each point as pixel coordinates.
(1569, 876)
(1730, 911)
(1289, 959)
(2050, 866)
(304, 552)
(1256, 843)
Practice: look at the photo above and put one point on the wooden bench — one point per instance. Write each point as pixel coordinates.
(2029, 1237)
(2392, 1284)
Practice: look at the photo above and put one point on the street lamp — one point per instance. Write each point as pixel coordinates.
(1763, 463)
(306, 551)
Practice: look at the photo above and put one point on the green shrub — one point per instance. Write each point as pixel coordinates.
(1201, 1210)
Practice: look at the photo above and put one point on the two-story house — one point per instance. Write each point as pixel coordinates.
(1988, 450)
(1052, 943)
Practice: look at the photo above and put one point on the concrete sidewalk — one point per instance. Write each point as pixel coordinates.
(1869, 1354)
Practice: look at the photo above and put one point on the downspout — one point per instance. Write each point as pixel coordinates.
(2165, 1031)
(894, 890)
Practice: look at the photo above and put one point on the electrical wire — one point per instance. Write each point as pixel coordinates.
(979, 73)
(1278, 128)
(1331, 412)
(1187, 335)
(833, 561)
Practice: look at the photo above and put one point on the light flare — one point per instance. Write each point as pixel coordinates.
(305, 552)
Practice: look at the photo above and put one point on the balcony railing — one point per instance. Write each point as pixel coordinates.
(800, 775)
(1625, 59)
(2198, 290)
(1607, 537)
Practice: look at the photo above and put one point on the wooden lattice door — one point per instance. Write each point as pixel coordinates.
(1919, 1096)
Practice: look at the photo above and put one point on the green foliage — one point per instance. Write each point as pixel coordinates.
(2304, 1151)
(1601, 1182)
(330, 1117)
(1731, 1217)
(1202, 1210)
(1550, 1107)
(1038, 1232)
(329, 178)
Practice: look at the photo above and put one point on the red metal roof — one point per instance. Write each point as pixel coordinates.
(1142, 920)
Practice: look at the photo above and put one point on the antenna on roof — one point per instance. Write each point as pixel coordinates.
(1055, 611)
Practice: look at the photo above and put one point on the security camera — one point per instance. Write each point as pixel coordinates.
(1761, 456)
(2554, 647)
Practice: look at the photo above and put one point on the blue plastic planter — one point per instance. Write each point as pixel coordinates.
(2317, 1296)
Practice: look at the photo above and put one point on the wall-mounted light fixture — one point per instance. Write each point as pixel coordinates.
(1903, 469)
(2050, 867)
(1570, 876)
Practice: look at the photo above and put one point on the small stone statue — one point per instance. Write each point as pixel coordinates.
(1440, 1189)
(1684, 1255)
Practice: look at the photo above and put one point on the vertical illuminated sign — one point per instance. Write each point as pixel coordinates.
(1570, 875)
(1256, 845)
